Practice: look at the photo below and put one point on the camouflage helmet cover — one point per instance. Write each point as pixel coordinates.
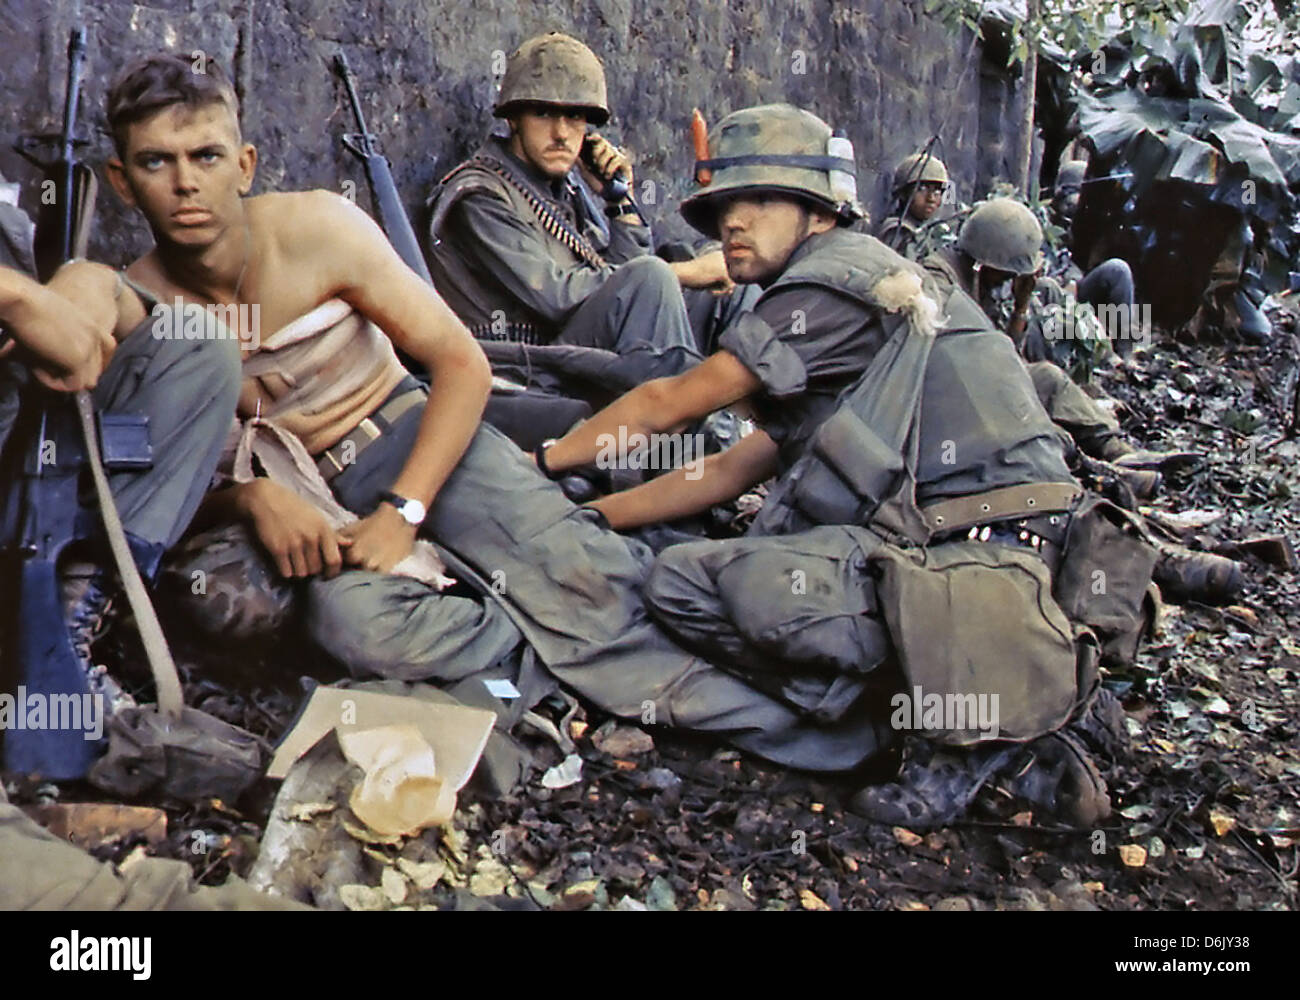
(773, 147)
(554, 69)
(919, 168)
(1003, 234)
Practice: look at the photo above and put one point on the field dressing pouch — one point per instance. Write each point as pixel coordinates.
(1105, 573)
(975, 623)
(857, 460)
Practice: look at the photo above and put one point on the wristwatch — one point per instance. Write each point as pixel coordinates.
(412, 511)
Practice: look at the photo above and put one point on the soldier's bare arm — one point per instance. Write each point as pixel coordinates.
(658, 406)
(67, 325)
(694, 489)
(357, 264)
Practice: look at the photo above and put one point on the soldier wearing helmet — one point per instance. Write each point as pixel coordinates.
(1109, 284)
(535, 238)
(1001, 241)
(920, 181)
(842, 366)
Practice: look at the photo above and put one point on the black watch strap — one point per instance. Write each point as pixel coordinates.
(539, 455)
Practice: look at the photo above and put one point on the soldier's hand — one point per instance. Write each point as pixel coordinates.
(295, 533)
(379, 542)
(1022, 288)
(708, 271)
(606, 161)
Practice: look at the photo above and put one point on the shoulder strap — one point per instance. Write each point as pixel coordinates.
(150, 299)
(552, 223)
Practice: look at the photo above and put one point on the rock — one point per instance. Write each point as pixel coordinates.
(954, 903)
(622, 741)
(580, 895)
(490, 878)
(661, 779)
(425, 72)
(660, 895)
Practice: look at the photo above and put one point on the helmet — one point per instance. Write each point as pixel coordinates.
(1003, 234)
(911, 171)
(1070, 176)
(775, 147)
(554, 69)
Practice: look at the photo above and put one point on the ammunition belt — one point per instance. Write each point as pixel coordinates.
(511, 331)
(558, 228)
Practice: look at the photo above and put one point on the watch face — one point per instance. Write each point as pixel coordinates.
(413, 511)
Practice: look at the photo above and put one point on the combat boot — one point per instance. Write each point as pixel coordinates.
(934, 786)
(1143, 483)
(1184, 575)
(85, 598)
(1057, 776)
(1120, 453)
(1102, 728)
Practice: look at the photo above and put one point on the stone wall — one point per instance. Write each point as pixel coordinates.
(428, 69)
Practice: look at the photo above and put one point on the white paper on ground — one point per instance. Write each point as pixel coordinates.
(500, 687)
(401, 792)
(456, 733)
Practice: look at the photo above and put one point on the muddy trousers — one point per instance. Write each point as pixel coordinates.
(39, 871)
(794, 615)
(639, 314)
(573, 589)
(1088, 425)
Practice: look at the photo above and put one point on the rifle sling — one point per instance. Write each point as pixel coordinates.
(161, 665)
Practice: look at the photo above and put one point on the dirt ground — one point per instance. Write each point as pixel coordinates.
(1206, 807)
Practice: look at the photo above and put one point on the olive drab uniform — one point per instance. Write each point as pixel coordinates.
(39, 871)
(1073, 410)
(832, 590)
(922, 528)
(901, 231)
(166, 379)
(519, 257)
(522, 257)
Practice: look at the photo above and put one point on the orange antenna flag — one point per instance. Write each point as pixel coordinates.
(700, 140)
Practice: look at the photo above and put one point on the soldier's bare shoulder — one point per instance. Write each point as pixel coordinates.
(305, 225)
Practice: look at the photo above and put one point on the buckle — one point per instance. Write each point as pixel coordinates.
(370, 428)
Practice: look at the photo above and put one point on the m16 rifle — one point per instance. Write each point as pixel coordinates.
(55, 448)
(390, 214)
(41, 514)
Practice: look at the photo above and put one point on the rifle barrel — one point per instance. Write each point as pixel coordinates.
(344, 72)
(68, 139)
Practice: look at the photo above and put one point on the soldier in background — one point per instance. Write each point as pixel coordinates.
(920, 182)
(522, 249)
(1001, 242)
